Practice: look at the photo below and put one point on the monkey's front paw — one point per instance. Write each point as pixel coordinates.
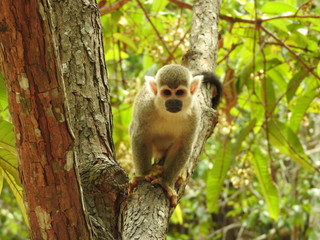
(169, 191)
(135, 182)
(155, 172)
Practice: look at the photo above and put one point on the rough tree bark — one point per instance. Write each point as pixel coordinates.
(148, 211)
(51, 54)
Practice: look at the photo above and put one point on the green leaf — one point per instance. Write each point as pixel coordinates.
(294, 83)
(318, 69)
(177, 216)
(7, 137)
(147, 61)
(281, 24)
(17, 192)
(242, 135)
(111, 55)
(125, 39)
(283, 138)
(159, 5)
(270, 94)
(300, 108)
(217, 175)
(270, 191)
(279, 75)
(3, 94)
(258, 109)
(277, 8)
(9, 163)
(1, 180)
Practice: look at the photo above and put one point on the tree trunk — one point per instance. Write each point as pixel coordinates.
(37, 104)
(147, 211)
(51, 53)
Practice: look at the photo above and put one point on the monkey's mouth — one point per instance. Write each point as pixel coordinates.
(173, 105)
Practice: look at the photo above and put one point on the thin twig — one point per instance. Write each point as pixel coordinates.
(154, 28)
(304, 49)
(115, 6)
(182, 4)
(288, 16)
(176, 47)
(233, 47)
(310, 69)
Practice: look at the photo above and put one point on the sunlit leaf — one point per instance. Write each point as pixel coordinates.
(294, 83)
(7, 141)
(9, 163)
(281, 24)
(288, 143)
(159, 5)
(147, 61)
(177, 216)
(1, 180)
(270, 97)
(270, 191)
(17, 191)
(112, 55)
(125, 39)
(299, 109)
(216, 176)
(279, 75)
(242, 135)
(3, 94)
(277, 8)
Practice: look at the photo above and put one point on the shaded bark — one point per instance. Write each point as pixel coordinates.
(140, 219)
(45, 145)
(53, 63)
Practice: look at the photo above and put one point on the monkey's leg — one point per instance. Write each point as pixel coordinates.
(177, 157)
(175, 161)
(142, 154)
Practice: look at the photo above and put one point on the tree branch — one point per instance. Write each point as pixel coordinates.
(114, 6)
(146, 213)
(310, 69)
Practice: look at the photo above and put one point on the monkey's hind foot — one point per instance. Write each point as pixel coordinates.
(171, 194)
(155, 172)
(134, 183)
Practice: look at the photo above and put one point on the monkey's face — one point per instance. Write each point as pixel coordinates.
(174, 88)
(174, 100)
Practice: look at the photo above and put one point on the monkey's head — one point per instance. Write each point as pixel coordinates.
(174, 88)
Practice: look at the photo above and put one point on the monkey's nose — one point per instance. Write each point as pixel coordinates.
(173, 105)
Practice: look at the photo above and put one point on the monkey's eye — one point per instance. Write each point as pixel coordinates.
(180, 92)
(166, 92)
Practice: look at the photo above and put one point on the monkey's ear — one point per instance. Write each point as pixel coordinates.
(151, 84)
(195, 84)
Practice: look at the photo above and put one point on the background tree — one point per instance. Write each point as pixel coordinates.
(267, 139)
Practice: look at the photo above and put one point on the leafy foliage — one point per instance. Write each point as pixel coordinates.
(9, 178)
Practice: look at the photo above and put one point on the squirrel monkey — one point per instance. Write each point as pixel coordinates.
(165, 122)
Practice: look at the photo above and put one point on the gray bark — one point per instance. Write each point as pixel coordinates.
(79, 50)
(147, 210)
